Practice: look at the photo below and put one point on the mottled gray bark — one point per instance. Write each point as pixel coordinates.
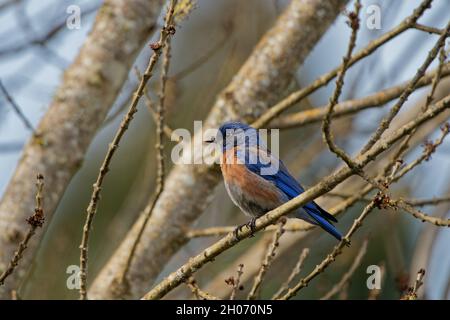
(259, 84)
(89, 87)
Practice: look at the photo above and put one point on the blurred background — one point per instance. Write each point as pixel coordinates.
(208, 49)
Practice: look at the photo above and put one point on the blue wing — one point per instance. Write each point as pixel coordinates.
(290, 186)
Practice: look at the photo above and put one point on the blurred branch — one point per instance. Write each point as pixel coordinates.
(347, 276)
(17, 110)
(412, 291)
(268, 258)
(331, 256)
(48, 36)
(350, 107)
(206, 56)
(323, 80)
(295, 272)
(412, 202)
(199, 293)
(261, 80)
(236, 281)
(7, 3)
(407, 92)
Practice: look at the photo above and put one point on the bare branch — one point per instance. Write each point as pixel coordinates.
(199, 293)
(332, 256)
(35, 221)
(166, 32)
(17, 110)
(160, 156)
(270, 254)
(411, 87)
(347, 276)
(294, 273)
(236, 282)
(412, 291)
(440, 222)
(350, 107)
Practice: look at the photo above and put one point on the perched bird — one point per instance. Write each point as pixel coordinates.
(257, 181)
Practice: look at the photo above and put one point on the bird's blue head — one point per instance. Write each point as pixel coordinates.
(234, 133)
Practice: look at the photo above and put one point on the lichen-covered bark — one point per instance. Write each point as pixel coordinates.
(259, 84)
(89, 87)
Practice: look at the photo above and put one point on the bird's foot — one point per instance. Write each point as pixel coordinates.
(236, 231)
(250, 224)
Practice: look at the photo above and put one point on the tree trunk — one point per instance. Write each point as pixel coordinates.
(89, 88)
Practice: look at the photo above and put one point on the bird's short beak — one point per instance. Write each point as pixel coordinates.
(210, 140)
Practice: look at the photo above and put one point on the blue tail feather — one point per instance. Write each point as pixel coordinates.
(325, 224)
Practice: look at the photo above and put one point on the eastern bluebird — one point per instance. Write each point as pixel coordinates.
(257, 181)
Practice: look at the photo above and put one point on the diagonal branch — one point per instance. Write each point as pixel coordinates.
(349, 107)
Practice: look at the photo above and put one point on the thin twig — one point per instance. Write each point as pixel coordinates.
(36, 220)
(236, 282)
(440, 72)
(267, 261)
(157, 47)
(428, 29)
(17, 109)
(440, 222)
(326, 124)
(294, 273)
(197, 292)
(160, 113)
(412, 291)
(332, 256)
(152, 109)
(347, 276)
(411, 202)
(353, 106)
(429, 149)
